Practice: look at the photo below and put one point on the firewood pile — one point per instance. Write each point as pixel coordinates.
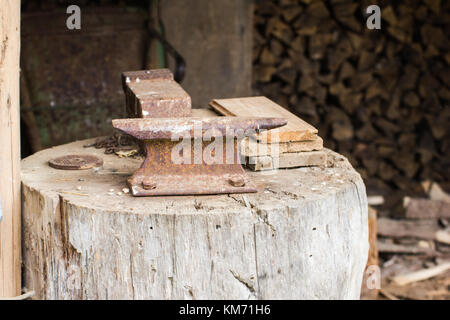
(380, 97)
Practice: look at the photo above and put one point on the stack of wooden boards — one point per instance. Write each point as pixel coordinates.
(294, 145)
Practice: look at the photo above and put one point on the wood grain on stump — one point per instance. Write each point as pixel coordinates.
(304, 235)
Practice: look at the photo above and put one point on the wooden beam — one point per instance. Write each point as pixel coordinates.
(215, 38)
(10, 251)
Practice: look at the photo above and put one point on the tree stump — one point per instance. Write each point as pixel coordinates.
(304, 235)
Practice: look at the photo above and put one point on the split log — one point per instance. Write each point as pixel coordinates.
(426, 209)
(388, 247)
(423, 229)
(294, 239)
(421, 275)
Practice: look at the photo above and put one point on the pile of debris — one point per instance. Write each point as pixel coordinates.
(416, 247)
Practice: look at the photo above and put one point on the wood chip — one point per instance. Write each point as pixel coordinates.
(126, 153)
(443, 236)
(375, 200)
(436, 193)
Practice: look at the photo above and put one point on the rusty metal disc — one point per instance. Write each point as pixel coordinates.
(75, 162)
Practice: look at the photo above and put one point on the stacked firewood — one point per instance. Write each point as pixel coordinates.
(380, 97)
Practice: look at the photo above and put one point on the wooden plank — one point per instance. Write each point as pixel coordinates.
(287, 160)
(421, 275)
(10, 250)
(426, 208)
(422, 229)
(295, 130)
(386, 247)
(252, 148)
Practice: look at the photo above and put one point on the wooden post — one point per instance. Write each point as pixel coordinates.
(10, 253)
(215, 39)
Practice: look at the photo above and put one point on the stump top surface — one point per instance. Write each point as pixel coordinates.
(100, 189)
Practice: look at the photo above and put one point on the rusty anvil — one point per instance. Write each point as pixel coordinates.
(184, 155)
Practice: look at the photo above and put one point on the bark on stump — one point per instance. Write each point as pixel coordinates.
(304, 235)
